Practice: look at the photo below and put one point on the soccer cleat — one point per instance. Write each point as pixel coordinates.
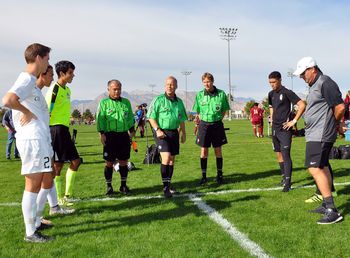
(220, 180)
(167, 192)
(203, 181)
(124, 190)
(321, 210)
(287, 188)
(44, 226)
(173, 190)
(109, 191)
(314, 198)
(331, 216)
(65, 201)
(60, 210)
(37, 237)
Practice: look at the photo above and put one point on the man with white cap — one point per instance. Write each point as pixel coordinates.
(324, 109)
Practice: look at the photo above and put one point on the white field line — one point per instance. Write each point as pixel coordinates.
(149, 197)
(247, 244)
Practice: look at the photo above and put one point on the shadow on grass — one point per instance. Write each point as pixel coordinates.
(149, 211)
(345, 208)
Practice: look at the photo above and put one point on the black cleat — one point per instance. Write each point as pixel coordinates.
(203, 181)
(37, 237)
(167, 192)
(220, 180)
(124, 190)
(331, 216)
(287, 188)
(109, 191)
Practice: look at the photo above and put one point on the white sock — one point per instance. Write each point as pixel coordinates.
(40, 205)
(29, 211)
(52, 196)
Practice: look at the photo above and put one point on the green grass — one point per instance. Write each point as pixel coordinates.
(139, 227)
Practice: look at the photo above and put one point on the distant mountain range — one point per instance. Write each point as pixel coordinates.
(138, 97)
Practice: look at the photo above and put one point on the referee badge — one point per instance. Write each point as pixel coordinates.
(126, 114)
(109, 111)
(217, 108)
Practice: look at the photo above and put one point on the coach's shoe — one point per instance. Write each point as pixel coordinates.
(203, 181)
(60, 210)
(322, 209)
(109, 191)
(167, 192)
(37, 237)
(124, 190)
(219, 179)
(331, 216)
(314, 198)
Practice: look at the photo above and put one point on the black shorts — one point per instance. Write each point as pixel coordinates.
(317, 154)
(211, 134)
(170, 143)
(281, 139)
(117, 146)
(62, 144)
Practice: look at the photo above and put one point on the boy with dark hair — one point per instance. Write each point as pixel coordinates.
(31, 120)
(280, 100)
(58, 100)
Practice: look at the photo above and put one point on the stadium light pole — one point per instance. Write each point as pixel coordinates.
(291, 75)
(186, 73)
(229, 34)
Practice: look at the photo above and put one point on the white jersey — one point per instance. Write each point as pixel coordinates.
(32, 98)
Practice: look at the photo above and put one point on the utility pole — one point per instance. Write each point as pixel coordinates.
(186, 73)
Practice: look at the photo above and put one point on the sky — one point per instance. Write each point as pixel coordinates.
(140, 43)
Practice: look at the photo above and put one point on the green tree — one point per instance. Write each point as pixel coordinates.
(265, 104)
(87, 115)
(76, 114)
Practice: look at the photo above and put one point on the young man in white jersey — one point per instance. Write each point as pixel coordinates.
(31, 121)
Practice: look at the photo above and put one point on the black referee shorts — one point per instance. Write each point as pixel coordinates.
(211, 134)
(281, 139)
(317, 154)
(170, 143)
(62, 144)
(117, 146)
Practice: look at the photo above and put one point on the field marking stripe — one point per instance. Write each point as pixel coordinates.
(149, 197)
(247, 244)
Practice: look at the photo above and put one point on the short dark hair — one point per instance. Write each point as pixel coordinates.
(34, 50)
(208, 76)
(275, 75)
(256, 104)
(115, 81)
(49, 67)
(63, 66)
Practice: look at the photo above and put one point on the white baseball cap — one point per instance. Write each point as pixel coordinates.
(303, 64)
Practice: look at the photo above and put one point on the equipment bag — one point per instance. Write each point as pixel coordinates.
(344, 151)
(152, 155)
(334, 153)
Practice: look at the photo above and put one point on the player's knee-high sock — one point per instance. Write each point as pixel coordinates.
(123, 170)
(287, 166)
(164, 173)
(282, 168)
(204, 162)
(171, 172)
(108, 176)
(52, 196)
(261, 132)
(40, 205)
(70, 180)
(254, 129)
(59, 188)
(219, 162)
(29, 211)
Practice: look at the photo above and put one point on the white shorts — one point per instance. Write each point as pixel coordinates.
(36, 156)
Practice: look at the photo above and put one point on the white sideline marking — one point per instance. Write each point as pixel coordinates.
(247, 244)
(149, 197)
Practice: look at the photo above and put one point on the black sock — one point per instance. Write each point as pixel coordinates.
(329, 202)
(219, 162)
(171, 171)
(108, 176)
(123, 170)
(282, 168)
(164, 171)
(204, 162)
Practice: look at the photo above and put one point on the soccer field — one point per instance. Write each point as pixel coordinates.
(247, 216)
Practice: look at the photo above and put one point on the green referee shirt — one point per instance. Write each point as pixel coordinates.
(114, 115)
(211, 106)
(58, 102)
(168, 112)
